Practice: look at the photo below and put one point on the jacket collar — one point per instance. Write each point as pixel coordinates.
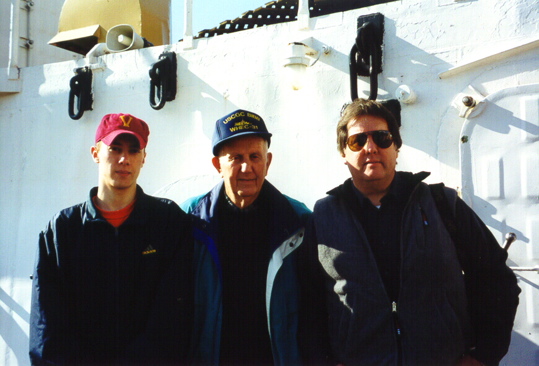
(140, 214)
(284, 222)
(402, 183)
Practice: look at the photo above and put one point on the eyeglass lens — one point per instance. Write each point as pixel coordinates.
(382, 138)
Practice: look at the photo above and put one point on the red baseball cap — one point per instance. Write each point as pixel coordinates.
(113, 125)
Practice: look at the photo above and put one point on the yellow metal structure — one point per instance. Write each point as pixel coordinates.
(84, 23)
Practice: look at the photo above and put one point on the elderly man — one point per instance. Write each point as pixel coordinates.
(399, 290)
(113, 277)
(246, 233)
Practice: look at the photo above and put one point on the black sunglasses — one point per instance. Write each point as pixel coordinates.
(382, 138)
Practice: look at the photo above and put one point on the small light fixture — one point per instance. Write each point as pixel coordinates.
(298, 57)
(405, 94)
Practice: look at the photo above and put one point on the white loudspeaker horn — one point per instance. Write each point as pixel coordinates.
(122, 38)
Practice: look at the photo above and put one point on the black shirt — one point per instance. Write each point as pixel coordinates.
(382, 228)
(244, 252)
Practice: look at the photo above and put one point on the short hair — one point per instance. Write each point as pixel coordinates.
(364, 107)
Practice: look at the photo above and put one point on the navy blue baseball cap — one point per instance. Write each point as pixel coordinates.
(238, 123)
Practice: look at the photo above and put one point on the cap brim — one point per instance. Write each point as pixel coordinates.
(109, 139)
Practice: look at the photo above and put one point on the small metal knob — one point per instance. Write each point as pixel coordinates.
(468, 101)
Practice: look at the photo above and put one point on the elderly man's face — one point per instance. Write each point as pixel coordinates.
(243, 163)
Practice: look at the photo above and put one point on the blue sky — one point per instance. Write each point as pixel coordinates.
(208, 14)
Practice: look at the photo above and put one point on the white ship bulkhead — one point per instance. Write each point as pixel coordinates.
(435, 52)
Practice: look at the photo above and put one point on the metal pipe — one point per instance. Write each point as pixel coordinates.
(303, 14)
(526, 269)
(29, 41)
(188, 24)
(303, 7)
(13, 62)
(188, 19)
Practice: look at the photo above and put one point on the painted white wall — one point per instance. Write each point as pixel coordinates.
(35, 20)
(45, 156)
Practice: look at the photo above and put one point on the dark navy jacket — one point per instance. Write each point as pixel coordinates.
(113, 295)
(440, 314)
(282, 295)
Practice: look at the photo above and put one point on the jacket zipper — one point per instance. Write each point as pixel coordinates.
(396, 319)
(394, 308)
(424, 217)
(117, 245)
(395, 313)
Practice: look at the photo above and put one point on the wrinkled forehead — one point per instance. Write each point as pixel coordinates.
(244, 144)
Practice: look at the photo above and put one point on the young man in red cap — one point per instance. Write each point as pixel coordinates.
(112, 282)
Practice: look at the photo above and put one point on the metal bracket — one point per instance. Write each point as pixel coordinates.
(80, 93)
(163, 80)
(366, 53)
(470, 103)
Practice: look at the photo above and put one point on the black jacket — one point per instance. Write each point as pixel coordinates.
(113, 295)
(440, 314)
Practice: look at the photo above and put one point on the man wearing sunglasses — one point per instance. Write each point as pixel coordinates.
(398, 290)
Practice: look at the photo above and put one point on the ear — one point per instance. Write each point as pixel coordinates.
(94, 152)
(269, 156)
(144, 157)
(344, 161)
(216, 164)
